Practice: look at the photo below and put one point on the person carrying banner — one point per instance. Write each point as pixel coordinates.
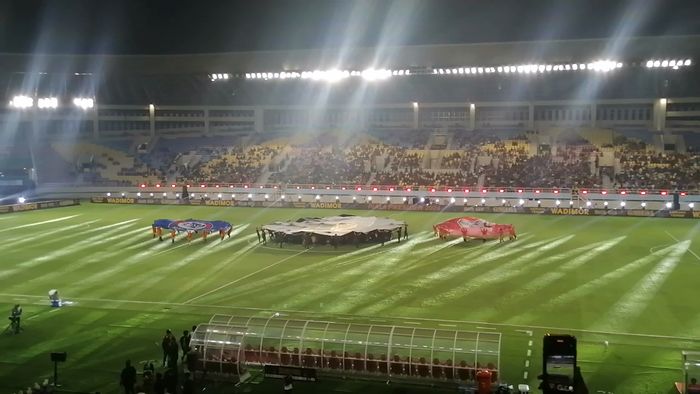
(222, 234)
(228, 232)
(189, 236)
(172, 236)
(154, 231)
(204, 235)
(159, 232)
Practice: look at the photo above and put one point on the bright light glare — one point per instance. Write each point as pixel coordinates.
(22, 102)
(47, 103)
(21, 200)
(84, 102)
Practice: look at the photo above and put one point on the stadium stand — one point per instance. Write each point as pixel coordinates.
(483, 159)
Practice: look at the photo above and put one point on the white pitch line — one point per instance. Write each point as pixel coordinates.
(689, 250)
(436, 321)
(225, 285)
(39, 223)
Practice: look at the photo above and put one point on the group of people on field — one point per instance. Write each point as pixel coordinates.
(189, 236)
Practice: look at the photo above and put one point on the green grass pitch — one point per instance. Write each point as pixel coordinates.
(630, 281)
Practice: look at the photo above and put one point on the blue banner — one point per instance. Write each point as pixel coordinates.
(192, 225)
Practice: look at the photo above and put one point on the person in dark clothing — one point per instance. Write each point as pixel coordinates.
(185, 343)
(264, 237)
(128, 378)
(288, 384)
(188, 384)
(170, 380)
(257, 231)
(173, 352)
(398, 239)
(159, 384)
(228, 232)
(165, 345)
(405, 231)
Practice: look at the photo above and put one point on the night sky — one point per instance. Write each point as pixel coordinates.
(162, 27)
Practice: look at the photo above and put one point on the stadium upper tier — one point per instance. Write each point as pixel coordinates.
(556, 158)
(639, 67)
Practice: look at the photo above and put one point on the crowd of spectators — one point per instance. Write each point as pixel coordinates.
(234, 165)
(398, 159)
(330, 165)
(642, 169)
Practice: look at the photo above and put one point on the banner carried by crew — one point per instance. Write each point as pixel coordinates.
(195, 225)
(473, 228)
(336, 225)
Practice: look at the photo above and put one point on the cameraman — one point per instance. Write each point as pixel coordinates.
(15, 317)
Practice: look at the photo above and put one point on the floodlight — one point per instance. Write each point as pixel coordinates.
(437, 200)
(521, 201)
(250, 195)
(388, 198)
(622, 204)
(687, 62)
(691, 205)
(47, 103)
(139, 194)
(22, 102)
(605, 203)
(109, 194)
(123, 194)
(152, 195)
(657, 63)
(452, 200)
(21, 200)
(282, 197)
(644, 204)
(318, 197)
(465, 200)
(557, 203)
(165, 194)
(669, 204)
(588, 203)
(404, 199)
(220, 195)
(369, 198)
(664, 63)
(483, 200)
(672, 63)
(422, 199)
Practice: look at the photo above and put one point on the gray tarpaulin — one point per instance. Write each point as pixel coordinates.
(335, 225)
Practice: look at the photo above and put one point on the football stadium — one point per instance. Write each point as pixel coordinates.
(503, 213)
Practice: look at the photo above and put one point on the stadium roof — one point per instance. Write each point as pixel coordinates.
(632, 49)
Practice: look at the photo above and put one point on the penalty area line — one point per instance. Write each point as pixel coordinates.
(244, 277)
(677, 240)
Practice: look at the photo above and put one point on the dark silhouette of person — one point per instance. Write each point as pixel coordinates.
(159, 384)
(185, 343)
(257, 231)
(165, 343)
(128, 378)
(170, 380)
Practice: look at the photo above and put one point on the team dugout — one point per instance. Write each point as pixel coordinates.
(230, 343)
